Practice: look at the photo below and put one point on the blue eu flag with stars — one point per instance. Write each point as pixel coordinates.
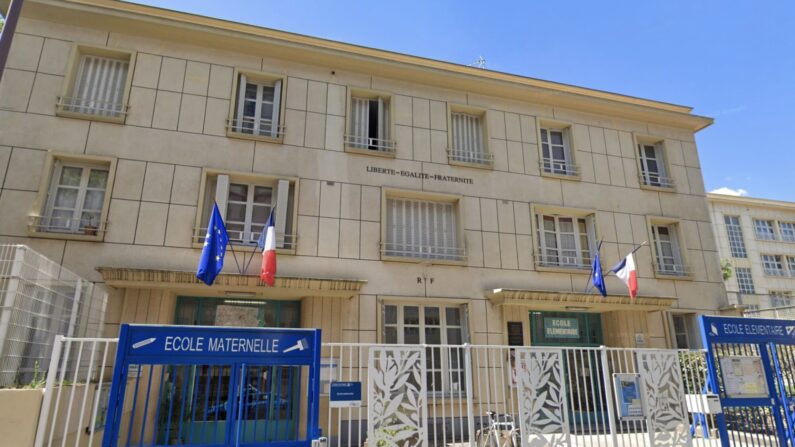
(212, 260)
(597, 278)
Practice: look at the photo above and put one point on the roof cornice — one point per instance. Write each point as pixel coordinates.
(364, 59)
(750, 201)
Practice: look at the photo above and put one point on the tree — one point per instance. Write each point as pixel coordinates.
(726, 269)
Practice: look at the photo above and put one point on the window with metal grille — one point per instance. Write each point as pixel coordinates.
(764, 230)
(791, 265)
(652, 165)
(258, 107)
(75, 199)
(745, 281)
(667, 253)
(787, 230)
(246, 206)
(369, 124)
(431, 325)
(565, 241)
(99, 87)
(780, 298)
(773, 265)
(422, 229)
(468, 139)
(735, 234)
(556, 152)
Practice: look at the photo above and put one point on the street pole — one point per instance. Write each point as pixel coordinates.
(14, 11)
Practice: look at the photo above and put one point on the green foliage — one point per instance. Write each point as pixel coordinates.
(38, 380)
(2, 23)
(726, 269)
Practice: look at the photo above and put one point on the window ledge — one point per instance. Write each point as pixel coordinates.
(485, 165)
(570, 177)
(561, 269)
(664, 275)
(657, 188)
(246, 136)
(90, 116)
(248, 249)
(66, 236)
(418, 260)
(371, 152)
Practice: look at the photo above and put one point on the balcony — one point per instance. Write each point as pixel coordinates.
(367, 145)
(556, 260)
(247, 239)
(656, 180)
(92, 228)
(473, 158)
(254, 127)
(558, 167)
(672, 269)
(80, 106)
(423, 252)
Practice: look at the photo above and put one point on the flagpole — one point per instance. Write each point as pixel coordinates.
(589, 282)
(232, 247)
(642, 244)
(256, 247)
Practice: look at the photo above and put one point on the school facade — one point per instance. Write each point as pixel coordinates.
(417, 201)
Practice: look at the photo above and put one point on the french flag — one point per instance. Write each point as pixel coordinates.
(268, 243)
(627, 272)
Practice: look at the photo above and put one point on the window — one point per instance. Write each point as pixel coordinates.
(246, 205)
(764, 230)
(369, 125)
(735, 233)
(98, 86)
(431, 325)
(780, 298)
(652, 166)
(565, 241)
(680, 331)
(773, 265)
(745, 281)
(468, 140)
(791, 265)
(556, 154)
(668, 254)
(787, 230)
(258, 107)
(422, 229)
(75, 199)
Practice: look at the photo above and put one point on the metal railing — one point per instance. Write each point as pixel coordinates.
(558, 260)
(672, 269)
(370, 144)
(656, 180)
(41, 299)
(49, 224)
(247, 239)
(429, 252)
(778, 313)
(91, 107)
(558, 167)
(260, 127)
(471, 157)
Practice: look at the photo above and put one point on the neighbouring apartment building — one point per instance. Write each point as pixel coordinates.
(757, 238)
(416, 201)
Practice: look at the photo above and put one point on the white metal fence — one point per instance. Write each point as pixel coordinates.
(436, 395)
(39, 299)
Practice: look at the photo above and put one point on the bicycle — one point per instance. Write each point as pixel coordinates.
(501, 427)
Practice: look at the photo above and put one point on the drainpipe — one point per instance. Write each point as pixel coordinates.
(14, 11)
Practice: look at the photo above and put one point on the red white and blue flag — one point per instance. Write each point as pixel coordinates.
(267, 242)
(626, 271)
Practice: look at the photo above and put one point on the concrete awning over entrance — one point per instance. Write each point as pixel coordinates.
(572, 301)
(186, 282)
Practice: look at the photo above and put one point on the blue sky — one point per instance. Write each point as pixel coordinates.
(733, 61)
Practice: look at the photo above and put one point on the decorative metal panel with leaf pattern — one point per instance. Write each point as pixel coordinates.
(397, 410)
(542, 398)
(663, 397)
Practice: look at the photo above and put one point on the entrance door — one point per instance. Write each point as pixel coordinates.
(580, 334)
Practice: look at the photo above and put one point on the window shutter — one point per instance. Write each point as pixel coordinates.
(660, 157)
(221, 193)
(360, 122)
(241, 95)
(282, 208)
(674, 235)
(277, 97)
(99, 86)
(383, 116)
(590, 226)
(567, 149)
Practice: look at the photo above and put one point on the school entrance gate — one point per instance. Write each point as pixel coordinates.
(751, 366)
(214, 386)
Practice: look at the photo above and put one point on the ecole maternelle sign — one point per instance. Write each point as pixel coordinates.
(420, 175)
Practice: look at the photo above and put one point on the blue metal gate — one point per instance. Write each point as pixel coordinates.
(214, 386)
(751, 367)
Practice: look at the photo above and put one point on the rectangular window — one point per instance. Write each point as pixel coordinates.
(652, 166)
(556, 152)
(422, 229)
(369, 124)
(735, 234)
(99, 87)
(431, 325)
(791, 265)
(773, 265)
(764, 230)
(565, 241)
(468, 139)
(680, 332)
(258, 107)
(75, 199)
(780, 298)
(245, 207)
(787, 230)
(745, 281)
(668, 255)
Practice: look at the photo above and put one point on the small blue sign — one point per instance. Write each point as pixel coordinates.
(345, 394)
(748, 330)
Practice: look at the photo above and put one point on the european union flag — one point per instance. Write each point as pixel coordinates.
(597, 279)
(212, 260)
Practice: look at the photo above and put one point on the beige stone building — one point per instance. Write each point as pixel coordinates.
(757, 237)
(417, 201)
